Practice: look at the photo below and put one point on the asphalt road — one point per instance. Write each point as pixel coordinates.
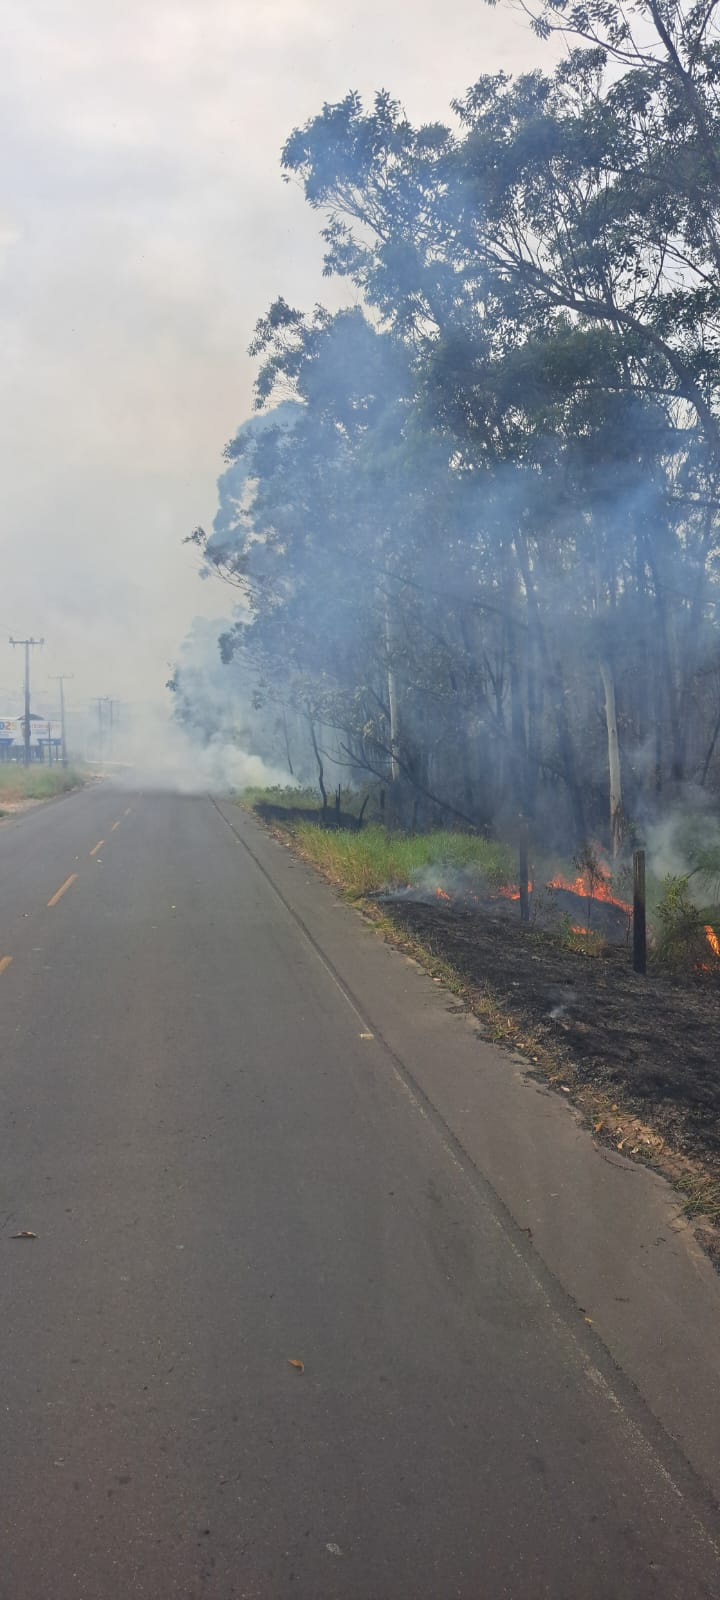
(225, 1175)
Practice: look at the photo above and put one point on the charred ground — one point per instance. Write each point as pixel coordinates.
(637, 1054)
(649, 1041)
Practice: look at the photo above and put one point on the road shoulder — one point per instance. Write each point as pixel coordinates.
(608, 1231)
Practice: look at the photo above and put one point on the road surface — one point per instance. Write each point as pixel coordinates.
(226, 1174)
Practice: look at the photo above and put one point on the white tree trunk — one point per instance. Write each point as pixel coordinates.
(616, 810)
(392, 695)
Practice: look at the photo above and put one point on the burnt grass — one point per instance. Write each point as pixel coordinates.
(651, 1042)
(285, 816)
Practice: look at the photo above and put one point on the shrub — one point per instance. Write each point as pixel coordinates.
(680, 942)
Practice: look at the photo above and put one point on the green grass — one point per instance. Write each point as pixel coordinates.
(35, 782)
(375, 858)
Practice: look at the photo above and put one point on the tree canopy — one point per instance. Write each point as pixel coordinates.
(477, 529)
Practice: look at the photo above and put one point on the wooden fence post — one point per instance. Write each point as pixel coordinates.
(524, 871)
(639, 920)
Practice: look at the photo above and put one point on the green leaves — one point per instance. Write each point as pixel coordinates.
(501, 465)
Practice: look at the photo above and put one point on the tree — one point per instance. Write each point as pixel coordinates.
(479, 534)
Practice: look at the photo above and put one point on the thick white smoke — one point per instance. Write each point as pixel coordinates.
(150, 751)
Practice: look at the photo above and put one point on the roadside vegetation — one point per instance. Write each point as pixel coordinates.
(367, 859)
(376, 859)
(636, 1055)
(474, 519)
(352, 845)
(18, 783)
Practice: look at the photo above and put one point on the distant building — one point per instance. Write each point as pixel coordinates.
(42, 729)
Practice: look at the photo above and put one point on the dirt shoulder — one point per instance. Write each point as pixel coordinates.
(12, 808)
(23, 789)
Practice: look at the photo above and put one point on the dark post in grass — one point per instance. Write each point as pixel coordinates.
(639, 925)
(524, 872)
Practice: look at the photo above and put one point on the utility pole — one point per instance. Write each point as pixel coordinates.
(100, 701)
(28, 645)
(62, 678)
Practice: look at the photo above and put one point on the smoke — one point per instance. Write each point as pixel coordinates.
(667, 847)
(687, 841)
(440, 881)
(150, 751)
(474, 553)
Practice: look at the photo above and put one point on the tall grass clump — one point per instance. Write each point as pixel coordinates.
(36, 782)
(291, 797)
(375, 858)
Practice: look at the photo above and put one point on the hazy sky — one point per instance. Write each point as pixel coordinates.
(144, 227)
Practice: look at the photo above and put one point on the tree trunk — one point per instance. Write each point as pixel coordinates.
(287, 744)
(535, 706)
(396, 791)
(616, 810)
(711, 751)
(556, 690)
(518, 732)
(318, 758)
(665, 663)
(392, 695)
(691, 639)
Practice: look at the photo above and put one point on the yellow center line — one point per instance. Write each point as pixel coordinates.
(61, 890)
(97, 847)
(4, 963)
(116, 825)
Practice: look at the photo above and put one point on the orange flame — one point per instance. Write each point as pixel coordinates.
(509, 893)
(441, 894)
(580, 886)
(712, 939)
(579, 930)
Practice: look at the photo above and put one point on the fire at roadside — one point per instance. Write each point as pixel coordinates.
(648, 1042)
(583, 907)
(589, 908)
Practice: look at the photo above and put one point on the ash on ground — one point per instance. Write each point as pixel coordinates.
(651, 1040)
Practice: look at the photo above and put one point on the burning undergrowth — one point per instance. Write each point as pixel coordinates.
(649, 1042)
(555, 903)
(589, 907)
